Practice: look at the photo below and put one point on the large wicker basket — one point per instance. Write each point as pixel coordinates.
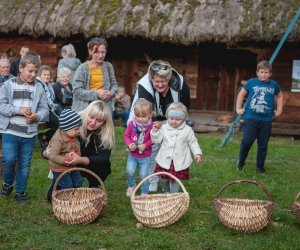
(296, 207)
(244, 215)
(78, 205)
(159, 210)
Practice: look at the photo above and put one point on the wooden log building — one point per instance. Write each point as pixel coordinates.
(214, 44)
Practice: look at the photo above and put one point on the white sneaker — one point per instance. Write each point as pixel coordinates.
(153, 187)
(50, 175)
(129, 191)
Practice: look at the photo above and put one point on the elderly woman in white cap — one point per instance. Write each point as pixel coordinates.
(161, 86)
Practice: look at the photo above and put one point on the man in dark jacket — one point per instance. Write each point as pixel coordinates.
(14, 66)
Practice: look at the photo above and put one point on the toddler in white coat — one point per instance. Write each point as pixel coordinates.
(177, 140)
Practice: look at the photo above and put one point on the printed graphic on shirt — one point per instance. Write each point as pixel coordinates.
(259, 101)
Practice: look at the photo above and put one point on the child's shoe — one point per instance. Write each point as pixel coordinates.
(6, 190)
(153, 187)
(21, 198)
(129, 191)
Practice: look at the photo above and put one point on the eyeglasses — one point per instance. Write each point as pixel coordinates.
(159, 66)
(97, 40)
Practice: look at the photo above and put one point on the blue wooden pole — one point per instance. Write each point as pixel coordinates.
(284, 37)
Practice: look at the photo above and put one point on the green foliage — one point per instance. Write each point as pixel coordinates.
(34, 226)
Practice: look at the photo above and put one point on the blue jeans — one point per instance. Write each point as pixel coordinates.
(259, 130)
(71, 180)
(16, 149)
(124, 115)
(144, 164)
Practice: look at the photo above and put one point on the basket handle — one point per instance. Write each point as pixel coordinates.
(297, 196)
(155, 174)
(246, 181)
(77, 169)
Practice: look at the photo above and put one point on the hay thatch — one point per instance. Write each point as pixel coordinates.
(178, 21)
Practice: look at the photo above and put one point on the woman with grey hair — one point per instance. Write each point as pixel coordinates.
(162, 85)
(69, 60)
(63, 89)
(4, 71)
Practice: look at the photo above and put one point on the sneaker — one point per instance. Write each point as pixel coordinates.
(261, 172)
(6, 190)
(153, 187)
(239, 166)
(21, 198)
(129, 191)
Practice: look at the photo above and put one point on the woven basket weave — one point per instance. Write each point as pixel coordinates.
(78, 205)
(159, 210)
(296, 207)
(244, 215)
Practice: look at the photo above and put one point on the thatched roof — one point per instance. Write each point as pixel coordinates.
(178, 21)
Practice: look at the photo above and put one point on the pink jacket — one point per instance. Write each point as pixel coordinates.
(130, 136)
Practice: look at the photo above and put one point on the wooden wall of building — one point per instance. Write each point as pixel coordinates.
(46, 48)
(283, 63)
(213, 72)
(131, 59)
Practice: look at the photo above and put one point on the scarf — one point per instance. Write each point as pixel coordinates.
(140, 130)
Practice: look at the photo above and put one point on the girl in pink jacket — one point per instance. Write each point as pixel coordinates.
(137, 138)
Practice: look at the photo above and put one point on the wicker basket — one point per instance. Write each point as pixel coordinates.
(159, 210)
(78, 205)
(244, 215)
(296, 207)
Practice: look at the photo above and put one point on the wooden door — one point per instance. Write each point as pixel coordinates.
(220, 72)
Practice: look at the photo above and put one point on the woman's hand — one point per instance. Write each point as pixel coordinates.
(73, 159)
(104, 95)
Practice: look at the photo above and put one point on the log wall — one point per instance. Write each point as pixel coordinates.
(46, 48)
(213, 72)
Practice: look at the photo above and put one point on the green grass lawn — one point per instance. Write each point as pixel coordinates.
(34, 226)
